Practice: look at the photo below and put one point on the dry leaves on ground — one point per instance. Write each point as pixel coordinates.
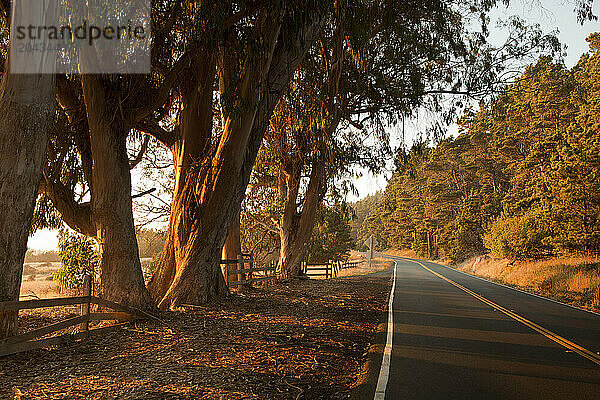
(303, 339)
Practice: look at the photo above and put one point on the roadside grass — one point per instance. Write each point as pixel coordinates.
(574, 280)
(402, 253)
(378, 264)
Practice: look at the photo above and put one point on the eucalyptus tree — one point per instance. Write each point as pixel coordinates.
(257, 48)
(87, 176)
(374, 63)
(96, 200)
(26, 106)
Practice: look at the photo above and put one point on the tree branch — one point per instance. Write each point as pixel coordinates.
(77, 216)
(133, 163)
(145, 192)
(154, 129)
(163, 92)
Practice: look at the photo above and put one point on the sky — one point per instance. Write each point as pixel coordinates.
(549, 14)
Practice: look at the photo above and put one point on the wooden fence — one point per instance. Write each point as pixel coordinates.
(315, 270)
(31, 340)
(329, 269)
(245, 272)
(350, 264)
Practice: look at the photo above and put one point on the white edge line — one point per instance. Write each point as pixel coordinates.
(384, 371)
(506, 286)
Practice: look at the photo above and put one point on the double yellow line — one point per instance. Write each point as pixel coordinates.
(540, 329)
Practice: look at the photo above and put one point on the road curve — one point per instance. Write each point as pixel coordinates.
(456, 336)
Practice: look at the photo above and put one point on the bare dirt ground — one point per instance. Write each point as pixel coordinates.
(306, 339)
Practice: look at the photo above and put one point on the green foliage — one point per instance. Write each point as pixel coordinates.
(519, 236)
(522, 178)
(361, 210)
(78, 258)
(45, 215)
(331, 238)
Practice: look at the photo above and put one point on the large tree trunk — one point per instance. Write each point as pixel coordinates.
(182, 276)
(233, 243)
(295, 229)
(178, 279)
(215, 196)
(291, 253)
(204, 190)
(26, 112)
(112, 215)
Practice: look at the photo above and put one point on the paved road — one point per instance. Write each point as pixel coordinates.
(452, 339)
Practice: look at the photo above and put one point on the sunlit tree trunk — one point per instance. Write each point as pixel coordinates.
(210, 197)
(180, 278)
(111, 207)
(295, 228)
(26, 112)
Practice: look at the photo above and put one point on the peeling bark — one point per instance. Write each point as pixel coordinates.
(181, 257)
(212, 198)
(26, 112)
(100, 133)
(112, 215)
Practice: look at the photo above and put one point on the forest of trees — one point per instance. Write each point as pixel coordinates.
(272, 104)
(361, 210)
(521, 180)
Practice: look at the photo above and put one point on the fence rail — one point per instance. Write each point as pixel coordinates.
(350, 264)
(245, 275)
(25, 341)
(331, 268)
(315, 270)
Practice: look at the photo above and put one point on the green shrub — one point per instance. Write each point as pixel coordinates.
(78, 258)
(331, 238)
(523, 236)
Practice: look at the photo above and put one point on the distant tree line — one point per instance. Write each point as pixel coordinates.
(361, 209)
(41, 256)
(522, 179)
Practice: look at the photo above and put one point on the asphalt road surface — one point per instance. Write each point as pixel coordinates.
(455, 336)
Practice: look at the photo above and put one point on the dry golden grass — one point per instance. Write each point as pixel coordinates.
(402, 253)
(37, 280)
(575, 280)
(378, 264)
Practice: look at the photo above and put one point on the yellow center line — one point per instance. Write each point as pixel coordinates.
(540, 329)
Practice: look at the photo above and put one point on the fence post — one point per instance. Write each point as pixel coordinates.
(240, 267)
(226, 273)
(85, 307)
(250, 275)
